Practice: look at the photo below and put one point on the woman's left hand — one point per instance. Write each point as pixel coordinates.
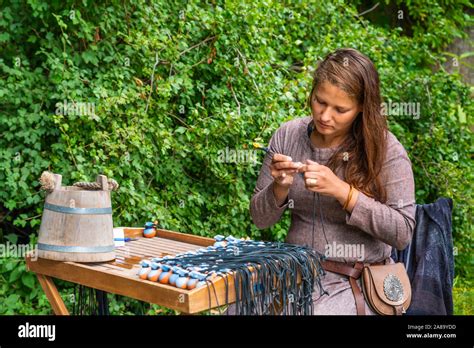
(321, 179)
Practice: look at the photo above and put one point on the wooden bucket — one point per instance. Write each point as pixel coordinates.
(77, 224)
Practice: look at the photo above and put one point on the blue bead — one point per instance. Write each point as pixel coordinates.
(162, 275)
(152, 274)
(191, 282)
(181, 281)
(200, 284)
(173, 278)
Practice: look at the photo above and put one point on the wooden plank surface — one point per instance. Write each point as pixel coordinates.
(120, 276)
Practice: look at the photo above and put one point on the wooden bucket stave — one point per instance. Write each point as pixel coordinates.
(77, 224)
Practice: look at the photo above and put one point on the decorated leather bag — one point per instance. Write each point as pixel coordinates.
(387, 288)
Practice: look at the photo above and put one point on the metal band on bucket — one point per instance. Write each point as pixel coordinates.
(83, 211)
(76, 249)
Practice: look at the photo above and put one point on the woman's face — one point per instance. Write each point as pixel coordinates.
(333, 110)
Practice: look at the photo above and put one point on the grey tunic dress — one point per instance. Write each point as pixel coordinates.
(367, 234)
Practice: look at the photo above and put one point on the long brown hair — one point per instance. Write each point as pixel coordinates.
(363, 151)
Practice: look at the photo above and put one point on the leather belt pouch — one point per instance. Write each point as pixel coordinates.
(387, 288)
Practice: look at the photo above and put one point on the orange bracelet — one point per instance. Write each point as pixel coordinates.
(349, 197)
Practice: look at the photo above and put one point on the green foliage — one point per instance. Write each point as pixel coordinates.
(20, 292)
(435, 23)
(438, 22)
(463, 297)
(173, 85)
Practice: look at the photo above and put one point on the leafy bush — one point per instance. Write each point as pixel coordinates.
(173, 86)
(435, 23)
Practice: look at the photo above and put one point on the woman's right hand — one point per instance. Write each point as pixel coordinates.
(283, 169)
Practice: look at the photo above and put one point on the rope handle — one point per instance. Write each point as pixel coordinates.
(50, 182)
(112, 185)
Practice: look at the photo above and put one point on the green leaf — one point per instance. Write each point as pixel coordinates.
(28, 280)
(12, 301)
(90, 57)
(15, 275)
(11, 204)
(12, 238)
(461, 115)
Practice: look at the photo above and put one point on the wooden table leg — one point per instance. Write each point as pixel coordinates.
(52, 294)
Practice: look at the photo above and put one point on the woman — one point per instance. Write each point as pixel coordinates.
(355, 199)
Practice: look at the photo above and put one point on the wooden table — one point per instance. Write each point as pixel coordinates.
(120, 276)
